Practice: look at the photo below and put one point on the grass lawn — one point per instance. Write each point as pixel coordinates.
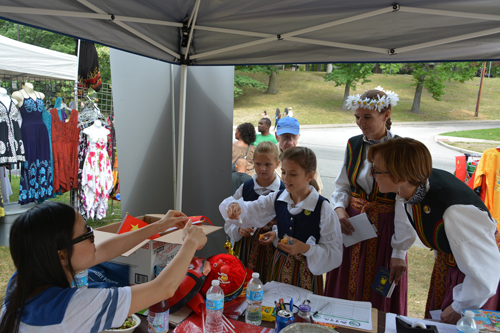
(315, 101)
(479, 147)
(483, 134)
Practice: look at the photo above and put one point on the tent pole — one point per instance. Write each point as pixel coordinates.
(180, 150)
(76, 80)
(172, 90)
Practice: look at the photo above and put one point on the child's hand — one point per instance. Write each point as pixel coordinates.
(298, 247)
(245, 232)
(234, 211)
(267, 237)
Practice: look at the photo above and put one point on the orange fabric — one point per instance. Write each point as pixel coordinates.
(489, 169)
(65, 151)
(372, 209)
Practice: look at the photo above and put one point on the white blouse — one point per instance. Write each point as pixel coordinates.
(321, 257)
(471, 236)
(404, 234)
(232, 229)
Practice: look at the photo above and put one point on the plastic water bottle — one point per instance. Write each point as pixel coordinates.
(255, 294)
(158, 317)
(215, 307)
(81, 279)
(467, 324)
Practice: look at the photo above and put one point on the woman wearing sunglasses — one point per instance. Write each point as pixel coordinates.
(449, 218)
(51, 243)
(355, 193)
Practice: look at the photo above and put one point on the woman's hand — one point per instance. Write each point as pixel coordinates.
(194, 234)
(234, 211)
(173, 218)
(268, 237)
(449, 316)
(245, 232)
(398, 268)
(346, 226)
(298, 247)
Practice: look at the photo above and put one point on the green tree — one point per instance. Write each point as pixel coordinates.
(241, 80)
(349, 75)
(434, 75)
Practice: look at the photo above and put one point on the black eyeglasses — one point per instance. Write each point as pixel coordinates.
(378, 172)
(88, 235)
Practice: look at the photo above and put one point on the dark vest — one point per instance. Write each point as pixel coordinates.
(249, 193)
(445, 190)
(354, 151)
(300, 226)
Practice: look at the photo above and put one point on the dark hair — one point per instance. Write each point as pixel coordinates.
(373, 94)
(35, 238)
(247, 132)
(286, 111)
(267, 121)
(306, 159)
(277, 111)
(265, 112)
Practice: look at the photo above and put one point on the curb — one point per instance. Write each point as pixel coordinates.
(461, 150)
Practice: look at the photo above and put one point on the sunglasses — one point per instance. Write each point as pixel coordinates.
(88, 235)
(378, 172)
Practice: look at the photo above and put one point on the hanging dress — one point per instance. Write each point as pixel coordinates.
(14, 117)
(36, 172)
(97, 179)
(6, 137)
(65, 151)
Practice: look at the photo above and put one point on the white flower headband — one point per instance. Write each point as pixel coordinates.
(354, 101)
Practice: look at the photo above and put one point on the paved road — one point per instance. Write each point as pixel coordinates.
(329, 144)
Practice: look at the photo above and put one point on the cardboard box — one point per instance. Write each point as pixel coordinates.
(143, 257)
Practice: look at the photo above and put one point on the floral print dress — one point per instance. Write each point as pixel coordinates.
(97, 179)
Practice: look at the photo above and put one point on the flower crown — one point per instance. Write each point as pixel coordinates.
(379, 103)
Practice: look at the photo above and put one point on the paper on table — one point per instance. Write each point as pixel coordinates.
(342, 312)
(273, 291)
(390, 324)
(436, 314)
(364, 230)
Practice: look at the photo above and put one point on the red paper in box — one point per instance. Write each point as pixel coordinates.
(131, 223)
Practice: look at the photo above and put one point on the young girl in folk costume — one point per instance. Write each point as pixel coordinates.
(258, 257)
(355, 193)
(313, 242)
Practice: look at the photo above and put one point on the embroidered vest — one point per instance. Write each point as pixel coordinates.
(300, 226)
(249, 193)
(445, 190)
(355, 150)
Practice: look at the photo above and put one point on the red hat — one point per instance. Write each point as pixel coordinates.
(230, 272)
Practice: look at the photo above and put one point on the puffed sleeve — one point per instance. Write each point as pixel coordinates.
(231, 229)
(471, 234)
(342, 194)
(327, 254)
(404, 233)
(253, 213)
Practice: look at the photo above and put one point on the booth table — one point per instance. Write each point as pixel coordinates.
(143, 327)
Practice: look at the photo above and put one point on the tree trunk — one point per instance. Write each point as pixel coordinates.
(329, 68)
(307, 67)
(273, 84)
(319, 67)
(346, 94)
(415, 108)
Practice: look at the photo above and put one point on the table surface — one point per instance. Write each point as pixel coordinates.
(143, 327)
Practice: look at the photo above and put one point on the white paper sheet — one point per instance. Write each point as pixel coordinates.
(390, 324)
(342, 312)
(436, 314)
(364, 230)
(273, 291)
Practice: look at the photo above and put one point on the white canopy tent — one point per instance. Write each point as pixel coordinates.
(229, 32)
(20, 60)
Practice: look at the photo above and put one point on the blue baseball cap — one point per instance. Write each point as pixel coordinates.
(288, 125)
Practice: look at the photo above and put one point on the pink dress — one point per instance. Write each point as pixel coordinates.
(97, 178)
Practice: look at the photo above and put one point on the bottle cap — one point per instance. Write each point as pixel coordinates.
(304, 308)
(469, 314)
(215, 282)
(255, 275)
